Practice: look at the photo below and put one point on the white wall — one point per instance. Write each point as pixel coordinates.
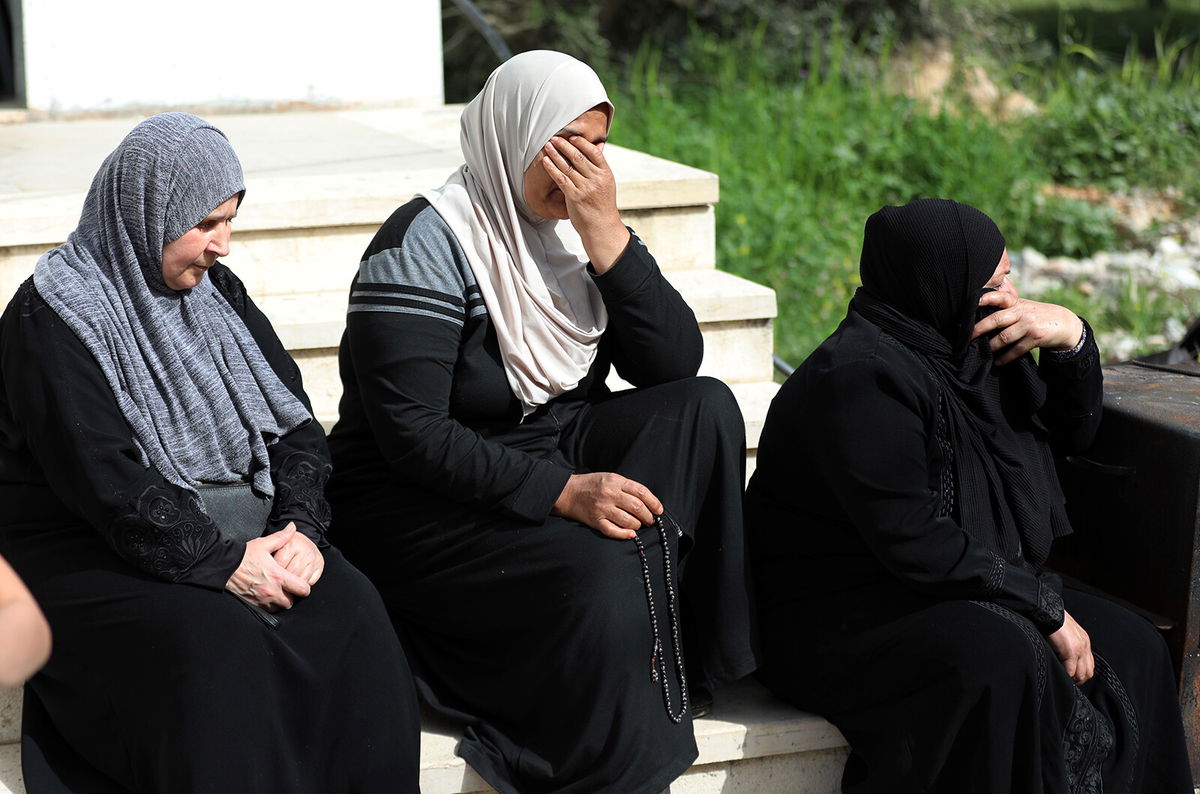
(112, 54)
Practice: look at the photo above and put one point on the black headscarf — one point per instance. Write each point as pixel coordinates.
(923, 270)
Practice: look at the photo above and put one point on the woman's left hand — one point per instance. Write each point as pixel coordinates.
(1022, 325)
(301, 557)
(580, 171)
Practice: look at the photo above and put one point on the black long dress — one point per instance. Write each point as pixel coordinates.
(923, 646)
(160, 681)
(534, 629)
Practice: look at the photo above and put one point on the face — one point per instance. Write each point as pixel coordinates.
(1000, 280)
(186, 259)
(541, 194)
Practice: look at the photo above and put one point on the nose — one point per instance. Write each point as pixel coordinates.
(219, 242)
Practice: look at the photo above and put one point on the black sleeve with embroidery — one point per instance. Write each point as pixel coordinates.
(875, 437)
(69, 422)
(300, 464)
(1074, 393)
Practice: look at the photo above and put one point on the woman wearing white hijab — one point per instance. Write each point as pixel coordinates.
(161, 480)
(491, 485)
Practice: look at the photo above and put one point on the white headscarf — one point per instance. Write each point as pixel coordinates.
(532, 274)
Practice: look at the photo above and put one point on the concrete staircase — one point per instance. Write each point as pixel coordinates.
(318, 186)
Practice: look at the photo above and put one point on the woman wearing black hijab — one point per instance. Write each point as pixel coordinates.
(903, 504)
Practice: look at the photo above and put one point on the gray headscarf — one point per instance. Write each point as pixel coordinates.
(202, 402)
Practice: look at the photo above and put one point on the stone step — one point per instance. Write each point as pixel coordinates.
(735, 316)
(751, 742)
(10, 715)
(324, 258)
(11, 780)
(318, 186)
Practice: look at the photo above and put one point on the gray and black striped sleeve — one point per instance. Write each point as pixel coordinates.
(426, 274)
(408, 308)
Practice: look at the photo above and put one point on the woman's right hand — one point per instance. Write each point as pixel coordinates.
(264, 582)
(614, 505)
(1074, 649)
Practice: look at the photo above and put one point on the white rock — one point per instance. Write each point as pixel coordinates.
(1168, 246)
(1032, 259)
(1174, 329)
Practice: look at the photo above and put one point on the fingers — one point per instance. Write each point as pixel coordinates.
(291, 583)
(611, 530)
(608, 502)
(308, 563)
(593, 152)
(318, 569)
(277, 540)
(646, 498)
(1004, 302)
(1074, 647)
(578, 153)
(287, 555)
(573, 162)
(1086, 669)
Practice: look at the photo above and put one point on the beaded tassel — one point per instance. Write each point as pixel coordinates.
(658, 665)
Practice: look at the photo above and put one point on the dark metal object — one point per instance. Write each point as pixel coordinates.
(1134, 501)
(782, 366)
(1184, 358)
(489, 33)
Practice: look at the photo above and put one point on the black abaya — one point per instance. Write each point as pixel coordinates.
(161, 681)
(923, 646)
(531, 628)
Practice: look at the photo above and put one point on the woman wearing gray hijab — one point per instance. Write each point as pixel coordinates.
(162, 481)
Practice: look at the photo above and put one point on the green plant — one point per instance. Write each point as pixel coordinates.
(804, 161)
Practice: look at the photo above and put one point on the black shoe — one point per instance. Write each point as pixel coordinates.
(701, 699)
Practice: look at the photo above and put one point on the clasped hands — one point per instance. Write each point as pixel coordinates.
(276, 569)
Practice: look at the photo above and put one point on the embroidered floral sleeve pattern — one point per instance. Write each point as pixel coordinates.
(1088, 739)
(164, 532)
(300, 487)
(995, 575)
(1049, 613)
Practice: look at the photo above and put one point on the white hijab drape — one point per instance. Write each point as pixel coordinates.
(532, 274)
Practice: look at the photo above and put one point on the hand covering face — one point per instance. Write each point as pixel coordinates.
(531, 272)
(200, 399)
(923, 269)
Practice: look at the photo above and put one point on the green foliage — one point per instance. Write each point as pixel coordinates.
(803, 162)
(1122, 128)
(791, 104)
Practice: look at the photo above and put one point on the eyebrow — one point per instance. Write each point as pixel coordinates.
(567, 132)
(228, 217)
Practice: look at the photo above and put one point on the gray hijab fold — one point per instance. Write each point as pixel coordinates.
(201, 400)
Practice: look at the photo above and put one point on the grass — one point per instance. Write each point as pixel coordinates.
(805, 158)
